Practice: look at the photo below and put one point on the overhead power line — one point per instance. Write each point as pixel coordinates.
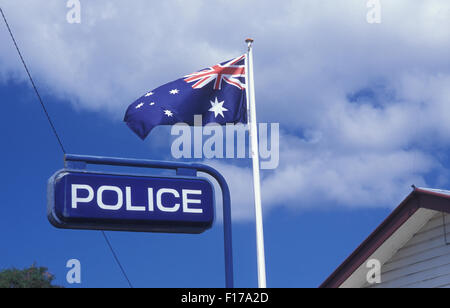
(117, 259)
(56, 134)
(34, 85)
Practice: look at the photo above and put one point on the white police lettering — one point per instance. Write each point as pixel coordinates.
(167, 199)
(151, 207)
(162, 207)
(112, 207)
(186, 201)
(131, 207)
(76, 198)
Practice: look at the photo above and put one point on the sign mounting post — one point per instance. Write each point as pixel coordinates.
(81, 199)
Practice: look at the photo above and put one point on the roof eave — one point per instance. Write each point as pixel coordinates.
(418, 198)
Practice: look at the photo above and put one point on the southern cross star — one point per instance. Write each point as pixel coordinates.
(139, 105)
(168, 113)
(217, 108)
(148, 94)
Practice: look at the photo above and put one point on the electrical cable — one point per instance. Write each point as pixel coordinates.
(117, 259)
(33, 84)
(56, 134)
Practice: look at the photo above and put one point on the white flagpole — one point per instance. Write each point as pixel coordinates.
(254, 150)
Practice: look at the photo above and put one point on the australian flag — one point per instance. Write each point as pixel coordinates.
(217, 93)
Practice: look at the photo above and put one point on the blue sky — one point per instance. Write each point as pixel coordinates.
(363, 112)
(31, 155)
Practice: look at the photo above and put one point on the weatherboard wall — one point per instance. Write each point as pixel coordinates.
(424, 262)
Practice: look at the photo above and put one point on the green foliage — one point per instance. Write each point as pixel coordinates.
(32, 277)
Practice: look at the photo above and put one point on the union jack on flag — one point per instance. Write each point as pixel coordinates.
(218, 93)
(229, 72)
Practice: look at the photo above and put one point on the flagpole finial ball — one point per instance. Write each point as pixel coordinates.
(249, 40)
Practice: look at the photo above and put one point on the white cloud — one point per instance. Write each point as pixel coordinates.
(311, 176)
(314, 61)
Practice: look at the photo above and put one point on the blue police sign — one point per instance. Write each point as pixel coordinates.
(88, 200)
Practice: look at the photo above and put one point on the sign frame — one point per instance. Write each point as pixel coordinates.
(79, 163)
(58, 222)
